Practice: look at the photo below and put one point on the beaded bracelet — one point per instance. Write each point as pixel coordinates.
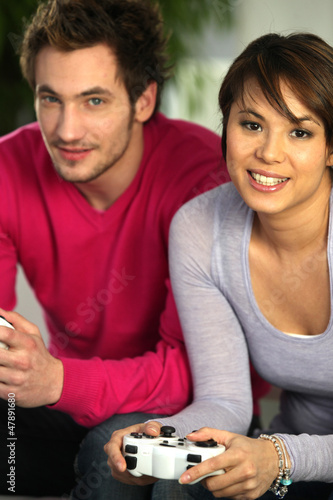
(285, 481)
(280, 486)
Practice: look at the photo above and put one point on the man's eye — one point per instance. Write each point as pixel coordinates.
(50, 99)
(95, 101)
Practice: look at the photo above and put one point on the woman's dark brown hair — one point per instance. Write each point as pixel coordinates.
(302, 60)
(133, 29)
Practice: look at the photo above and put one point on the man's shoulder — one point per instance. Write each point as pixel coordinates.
(183, 132)
(181, 146)
(182, 159)
(30, 128)
(23, 153)
(23, 137)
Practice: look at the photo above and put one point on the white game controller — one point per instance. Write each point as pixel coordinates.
(167, 456)
(4, 322)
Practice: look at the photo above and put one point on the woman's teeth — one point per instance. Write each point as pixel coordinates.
(267, 181)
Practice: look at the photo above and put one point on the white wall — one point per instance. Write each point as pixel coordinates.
(257, 17)
(28, 306)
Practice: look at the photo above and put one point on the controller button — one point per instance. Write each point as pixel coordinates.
(149, 437)
(131, 462)
(167, 445)
(206, 444)
(130, 448)
(189, 467)
(136, 435)
(197, 459)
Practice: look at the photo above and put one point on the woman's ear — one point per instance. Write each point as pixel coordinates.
(329, 160)
(145, 104)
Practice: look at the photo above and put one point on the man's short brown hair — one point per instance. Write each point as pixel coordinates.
(133, 29)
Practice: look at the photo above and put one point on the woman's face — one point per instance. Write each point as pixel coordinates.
(275, 164)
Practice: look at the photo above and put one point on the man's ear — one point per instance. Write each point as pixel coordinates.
(145, 105)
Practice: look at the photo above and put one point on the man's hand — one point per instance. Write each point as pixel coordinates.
(27, 369)
(116, 460)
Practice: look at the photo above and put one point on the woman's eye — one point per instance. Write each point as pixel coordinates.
(300, 133)
(253, 126)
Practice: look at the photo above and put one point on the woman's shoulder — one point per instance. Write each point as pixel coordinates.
(214, 206)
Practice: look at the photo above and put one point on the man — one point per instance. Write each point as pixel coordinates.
(88, 194)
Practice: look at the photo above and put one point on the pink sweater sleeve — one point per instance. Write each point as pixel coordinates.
(95, 389)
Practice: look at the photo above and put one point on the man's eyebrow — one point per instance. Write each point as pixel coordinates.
(96, 91)
(305, 118)
(45, 88)
(92, 91)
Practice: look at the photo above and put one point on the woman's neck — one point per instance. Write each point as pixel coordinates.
(297, 231)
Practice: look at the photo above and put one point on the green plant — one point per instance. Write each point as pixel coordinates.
(182, 18)
(16, 97)
(189, 17)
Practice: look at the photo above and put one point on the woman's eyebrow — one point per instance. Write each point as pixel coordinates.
(305, 118)
(249, 111)
(308, 119)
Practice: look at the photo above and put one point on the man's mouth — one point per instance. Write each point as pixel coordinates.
(74, 154)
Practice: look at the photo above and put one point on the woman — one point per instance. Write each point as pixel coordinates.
(251, 267)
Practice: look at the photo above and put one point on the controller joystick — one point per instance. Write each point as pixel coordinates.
(4, 322)
(206, 444)
(167, 431)
(166, 456)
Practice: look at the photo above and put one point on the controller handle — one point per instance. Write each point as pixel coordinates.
(216, 473)
(131, 466)
(4, 322)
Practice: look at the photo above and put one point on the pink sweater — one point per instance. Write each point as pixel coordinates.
(102, 277)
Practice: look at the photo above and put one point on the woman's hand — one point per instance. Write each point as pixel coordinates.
(251, 465)
(116, 460)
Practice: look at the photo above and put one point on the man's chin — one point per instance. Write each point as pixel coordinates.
(76, 174)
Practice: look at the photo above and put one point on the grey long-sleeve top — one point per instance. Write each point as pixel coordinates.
(223, 326)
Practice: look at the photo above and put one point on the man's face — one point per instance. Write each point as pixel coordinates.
(84, 112)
